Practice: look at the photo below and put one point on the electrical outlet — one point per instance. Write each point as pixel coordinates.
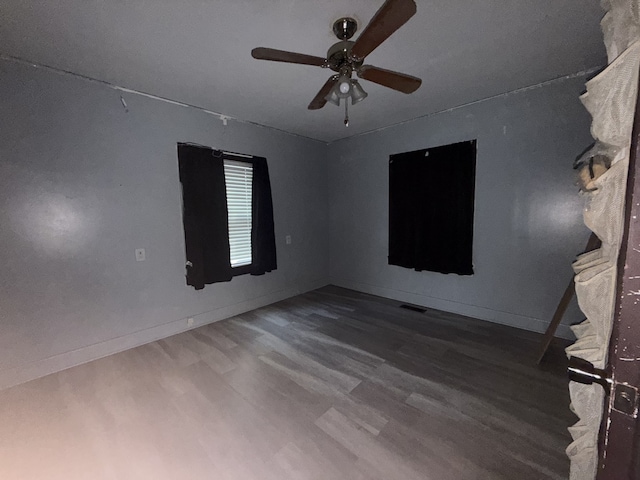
(189, 322)
(140, 255)
(287, 239)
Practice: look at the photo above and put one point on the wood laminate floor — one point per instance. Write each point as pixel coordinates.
(330, 385)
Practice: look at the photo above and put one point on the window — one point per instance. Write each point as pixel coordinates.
(238, 178)
(227, 213)
(431, 203)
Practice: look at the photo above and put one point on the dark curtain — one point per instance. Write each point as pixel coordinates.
(431, 203)
(263, 240)
(204, 215)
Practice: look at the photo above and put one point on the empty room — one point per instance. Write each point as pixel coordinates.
(318, 240)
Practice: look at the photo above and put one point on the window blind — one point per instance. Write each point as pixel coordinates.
(238, 179)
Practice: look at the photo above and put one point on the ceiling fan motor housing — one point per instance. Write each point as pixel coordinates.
(339, 56)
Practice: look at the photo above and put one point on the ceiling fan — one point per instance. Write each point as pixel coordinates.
(347, 57)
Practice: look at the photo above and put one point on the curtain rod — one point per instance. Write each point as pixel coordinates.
(224, 152)
(237, 154)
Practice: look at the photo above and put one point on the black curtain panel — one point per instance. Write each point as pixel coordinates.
(431, 203)
(205, 216)
(263, 240)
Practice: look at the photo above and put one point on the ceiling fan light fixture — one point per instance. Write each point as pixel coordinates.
(343, 87)
(332, 97)
(357, 92)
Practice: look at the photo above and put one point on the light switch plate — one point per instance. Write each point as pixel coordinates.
(140, 255)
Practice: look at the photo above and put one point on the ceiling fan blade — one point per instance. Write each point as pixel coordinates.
(274, 55)
(319, 101)
(390, 17)
(398, 81)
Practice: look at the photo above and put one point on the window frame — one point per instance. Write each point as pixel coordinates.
(204, 206)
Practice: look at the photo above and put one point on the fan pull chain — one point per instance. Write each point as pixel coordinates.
(346, 112)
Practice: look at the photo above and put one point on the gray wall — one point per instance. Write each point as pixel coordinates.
(528, 223)
(83, 184)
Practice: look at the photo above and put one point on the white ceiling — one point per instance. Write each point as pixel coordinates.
(198, 52)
